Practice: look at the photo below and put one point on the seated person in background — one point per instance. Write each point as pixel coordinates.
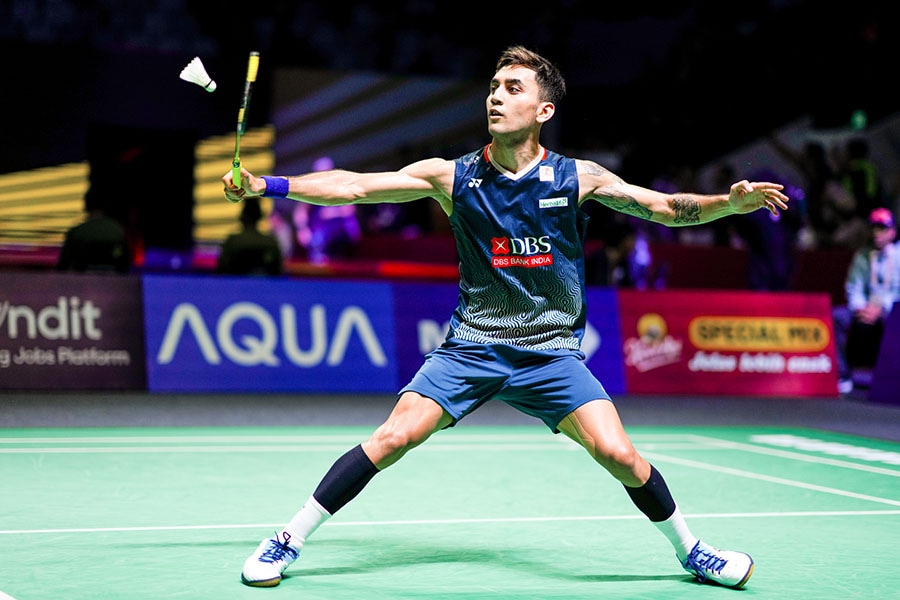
(326, 232)
(99, 244)
(872, 286)
(250, 252)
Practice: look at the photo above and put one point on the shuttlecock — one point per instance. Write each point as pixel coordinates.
(194, 72)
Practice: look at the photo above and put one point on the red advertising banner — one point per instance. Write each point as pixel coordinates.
(71, 331)
(728, 343)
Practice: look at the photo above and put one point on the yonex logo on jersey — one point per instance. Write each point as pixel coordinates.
(552, 202)
(474, 183)
(545, 173)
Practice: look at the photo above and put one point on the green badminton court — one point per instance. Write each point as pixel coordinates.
(483, 512)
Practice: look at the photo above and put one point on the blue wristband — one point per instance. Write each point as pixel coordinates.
(276, 187)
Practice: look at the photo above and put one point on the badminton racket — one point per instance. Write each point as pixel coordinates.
(252, 68)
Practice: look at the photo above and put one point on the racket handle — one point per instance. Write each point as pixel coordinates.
(235, 176)
(236, 172)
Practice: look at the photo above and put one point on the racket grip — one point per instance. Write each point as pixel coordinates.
(236, 175)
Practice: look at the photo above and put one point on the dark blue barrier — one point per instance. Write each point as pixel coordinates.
(213, 333)
(233, 334)
(886, 376)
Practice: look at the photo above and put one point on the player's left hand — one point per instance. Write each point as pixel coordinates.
(746, 196)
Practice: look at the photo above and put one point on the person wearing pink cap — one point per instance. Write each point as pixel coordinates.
(872, 286)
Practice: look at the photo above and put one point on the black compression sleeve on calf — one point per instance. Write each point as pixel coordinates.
(347, 477)
(653, 498)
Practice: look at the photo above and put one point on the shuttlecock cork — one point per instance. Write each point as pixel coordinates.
(194, 72)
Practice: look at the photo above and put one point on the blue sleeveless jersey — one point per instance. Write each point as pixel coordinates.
(520, 244)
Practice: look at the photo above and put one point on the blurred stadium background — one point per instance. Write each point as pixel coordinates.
(649, 82)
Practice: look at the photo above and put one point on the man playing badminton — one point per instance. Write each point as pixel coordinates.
(515, 211)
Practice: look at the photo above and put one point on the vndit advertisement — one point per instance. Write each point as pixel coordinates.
(70, 331)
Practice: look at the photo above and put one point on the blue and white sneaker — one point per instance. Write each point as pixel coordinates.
(264, 567)
(725, 567)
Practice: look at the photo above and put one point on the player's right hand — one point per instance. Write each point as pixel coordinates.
(236, 193)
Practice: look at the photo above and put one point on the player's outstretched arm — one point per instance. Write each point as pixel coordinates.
(427, 178)
(679, 209)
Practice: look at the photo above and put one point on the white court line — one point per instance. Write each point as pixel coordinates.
(771, 479)
(833, 462)
(297, 439)
(186, 439)
(568, 446)
(281, 449)
(278, 449)
(316, 443)
(186, 449)
(469, 521)
(448, 438)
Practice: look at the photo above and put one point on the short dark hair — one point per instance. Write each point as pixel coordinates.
(548, 76)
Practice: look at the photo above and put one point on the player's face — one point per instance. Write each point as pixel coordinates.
(513, 104)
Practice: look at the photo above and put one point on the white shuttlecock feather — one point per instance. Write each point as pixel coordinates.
(194, 72)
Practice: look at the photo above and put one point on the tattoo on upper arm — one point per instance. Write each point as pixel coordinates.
(592, 168)
(687, 210)
(610, 194)
(626, 204)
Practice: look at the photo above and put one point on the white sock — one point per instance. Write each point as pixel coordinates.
(305, 522)
(676, 530)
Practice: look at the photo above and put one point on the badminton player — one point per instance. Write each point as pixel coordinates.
(515, 209)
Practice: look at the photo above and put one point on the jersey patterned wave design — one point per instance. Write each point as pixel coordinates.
(520, 243)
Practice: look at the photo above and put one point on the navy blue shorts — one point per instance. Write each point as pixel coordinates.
(547, 384)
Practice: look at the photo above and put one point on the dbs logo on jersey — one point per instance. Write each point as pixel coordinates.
(521, 252)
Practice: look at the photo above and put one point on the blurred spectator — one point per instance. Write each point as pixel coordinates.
(607, 264)
(860, 177)
(326, 232)
(250, 251)
(828, 203)
(408, 219)
(872, 287)
(281, 220)
(624, 259)
(771, 240)
(99, 244)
